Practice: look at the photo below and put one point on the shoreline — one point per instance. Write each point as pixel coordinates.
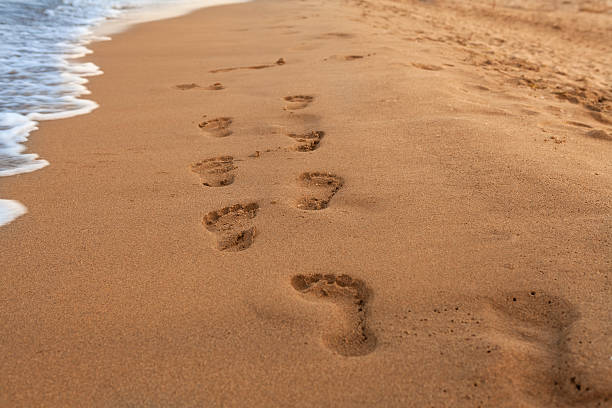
(375, 208)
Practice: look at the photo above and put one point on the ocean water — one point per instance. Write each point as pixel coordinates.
(40, 77)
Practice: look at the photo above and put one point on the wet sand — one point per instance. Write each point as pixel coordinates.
(305, 203)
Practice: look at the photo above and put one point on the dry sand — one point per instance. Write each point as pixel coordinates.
(412, 208)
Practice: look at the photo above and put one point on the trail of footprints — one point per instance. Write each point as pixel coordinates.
(525, 327)
(233, 228)
(229, 225)
(532, 327)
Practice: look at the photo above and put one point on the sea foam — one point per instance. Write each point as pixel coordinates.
(9, 210)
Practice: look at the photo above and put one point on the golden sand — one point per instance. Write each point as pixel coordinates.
(305, 203)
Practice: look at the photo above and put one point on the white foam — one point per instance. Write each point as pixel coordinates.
(85, 107)
(9, 210)
(14, 130)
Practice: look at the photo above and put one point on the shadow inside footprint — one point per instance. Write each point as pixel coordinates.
(217, 86)
(295, 102)
(233, 226)
(307, 142)
(599, 134)
(336, 35)
(218, 127)
(215, 172)
(186, 87)
(349, 336)
(322, 186)
(280, 61)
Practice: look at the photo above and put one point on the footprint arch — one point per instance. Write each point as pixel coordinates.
(349, 335)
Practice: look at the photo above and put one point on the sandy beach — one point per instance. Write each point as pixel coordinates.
(304, 203)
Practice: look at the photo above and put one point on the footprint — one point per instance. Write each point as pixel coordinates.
(280, 61)
(323, 186)
(598, 116)
(217, 86)
(428, 67)
(599, 134)
(349, 336)
(579, 124)
(352, 57)
(307, 142)
(215, 172)
(232, 226)
(185, 87)
(218, 127)
(298, 101)
(336, 35)
(534, 334)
